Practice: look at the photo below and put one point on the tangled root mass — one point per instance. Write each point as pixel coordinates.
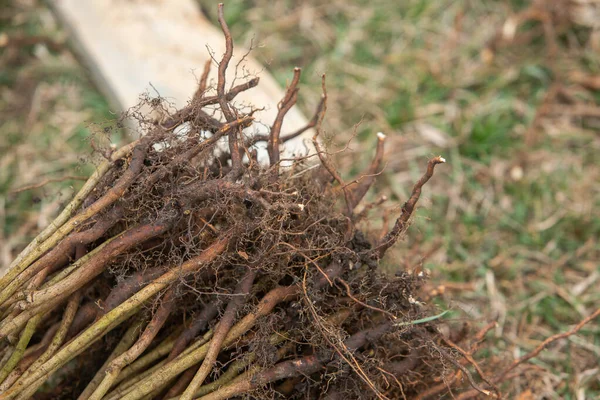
(187, 271)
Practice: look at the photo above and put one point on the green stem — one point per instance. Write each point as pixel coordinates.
(126, 341)
(423, 320)
(158, 352)
(185, 361)
(130, 385)
(11, 325)
(20, 348)
(115, 317)
(60, 334)
(59, 228)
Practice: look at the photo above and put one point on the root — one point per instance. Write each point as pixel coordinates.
(113, 319)
(43, 300)
(199, 324)
(59, 228)
(61, 253)
(362, 185)
(185, 361)
(301, 366)
(221, 331)
(181, 384)
(126, 341)
(290, 98)
(20, 348)
(322, 156)
(59, 336)
(116, 365)
(461, 368)
(185, 224)
(97, 264)
(286, 138)
(198, 148)
(407, 209)
(234, 150)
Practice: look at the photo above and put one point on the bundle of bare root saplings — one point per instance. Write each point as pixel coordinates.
(186, 270)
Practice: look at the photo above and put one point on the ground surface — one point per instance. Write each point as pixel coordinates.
(506, 228)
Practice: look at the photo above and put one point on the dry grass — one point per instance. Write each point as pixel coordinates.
(49, 108)
(511, 236)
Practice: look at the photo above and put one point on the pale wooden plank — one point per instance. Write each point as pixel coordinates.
(129, 44)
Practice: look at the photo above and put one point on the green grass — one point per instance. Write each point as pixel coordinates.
(393, 66)
(49, 107)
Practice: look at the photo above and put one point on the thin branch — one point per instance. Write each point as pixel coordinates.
(116, 366)
(47, 181)
(547, 342)
(288, 101)
(236, 159)
(407, 209)
(362, 185)
(324, 160)
(311, 124)
(198, 324)
(112, 319)
(221, 332)
(126, 341)
(203, 82)
(377, 309)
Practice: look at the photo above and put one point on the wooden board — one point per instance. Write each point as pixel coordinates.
(129, 44)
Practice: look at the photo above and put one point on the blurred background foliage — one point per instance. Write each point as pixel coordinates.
(507, 91)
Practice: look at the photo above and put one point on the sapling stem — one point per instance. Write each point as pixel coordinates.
(61, 226)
